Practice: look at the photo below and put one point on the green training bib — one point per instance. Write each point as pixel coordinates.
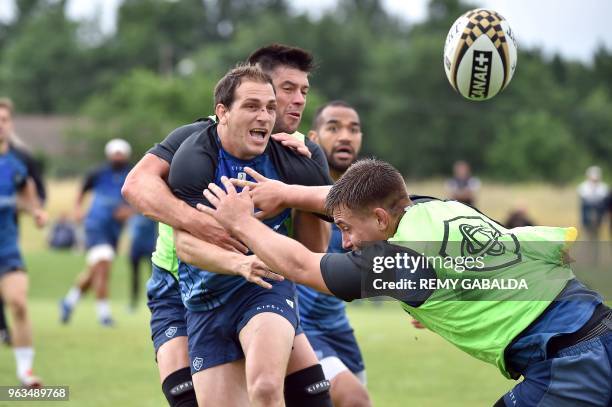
(482, 306)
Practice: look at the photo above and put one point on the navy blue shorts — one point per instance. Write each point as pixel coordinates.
(580, 375)
(340, 344)
(213, 335)
(97, 234)
(11, 262)
(138, 252)
(168, 314)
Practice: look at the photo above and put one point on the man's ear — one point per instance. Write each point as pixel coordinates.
(313, 136)
(222, 113)
(382, 218)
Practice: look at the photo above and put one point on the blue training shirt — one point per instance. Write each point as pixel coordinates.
(201, 160)
(105, 183)
(203, 290)
(143, 232)
(13, 177)
(158, 285)
(320, 312)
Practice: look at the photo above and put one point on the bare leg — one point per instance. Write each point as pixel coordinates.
(222, 385)
(266, 340)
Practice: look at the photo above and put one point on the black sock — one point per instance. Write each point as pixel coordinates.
(178, 389)
(307, 388)
(3, 324)
(134, 263)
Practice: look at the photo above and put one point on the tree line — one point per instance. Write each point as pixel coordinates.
(158, 68)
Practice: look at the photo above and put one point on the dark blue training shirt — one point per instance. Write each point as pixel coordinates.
(200, 160)
(13, 177)
(105, 182)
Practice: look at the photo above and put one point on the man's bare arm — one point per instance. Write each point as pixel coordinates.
(272, 196)
(283, 255)
(310, 199)
(29, 201)
(212, 258)
(79, 213)
(146, 190)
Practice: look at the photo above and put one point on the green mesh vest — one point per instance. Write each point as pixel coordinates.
(483, 322)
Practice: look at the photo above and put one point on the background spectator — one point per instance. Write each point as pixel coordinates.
(593, 194)
(518, 217)
(463, 186)
(63, 233)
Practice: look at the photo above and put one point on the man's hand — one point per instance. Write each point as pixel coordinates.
(230, 207)
(208, 229)
(267, 194)
(78, 215)
(40, 218)
(293, 143)
(254, 271)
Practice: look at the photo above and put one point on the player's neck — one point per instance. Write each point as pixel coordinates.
(4, 146)
(393, 225)
(335, 174)
(396, 220)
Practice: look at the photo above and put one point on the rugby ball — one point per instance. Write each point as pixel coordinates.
(480, 54)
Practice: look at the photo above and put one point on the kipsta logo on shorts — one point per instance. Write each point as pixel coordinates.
(197, 363)
(170, 332)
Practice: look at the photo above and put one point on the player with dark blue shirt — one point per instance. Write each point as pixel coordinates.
(337, 129)
(103, 224)
(21, 152)
(15, 182)
(236, 328)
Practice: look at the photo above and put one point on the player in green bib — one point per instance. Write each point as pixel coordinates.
(505, 296)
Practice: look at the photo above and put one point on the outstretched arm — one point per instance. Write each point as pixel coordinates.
(146, 190)
(283, 255)
(272, 196)
(344, 275)
(212, 258)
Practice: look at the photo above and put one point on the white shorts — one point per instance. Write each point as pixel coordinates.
(333, 366)
(98, 253)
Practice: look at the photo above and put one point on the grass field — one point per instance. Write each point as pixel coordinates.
(105, 367)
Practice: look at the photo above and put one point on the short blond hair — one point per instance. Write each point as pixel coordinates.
(6, 103)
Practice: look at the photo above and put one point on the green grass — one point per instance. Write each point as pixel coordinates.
(105, 367)
(115, 366)
(102, 367)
